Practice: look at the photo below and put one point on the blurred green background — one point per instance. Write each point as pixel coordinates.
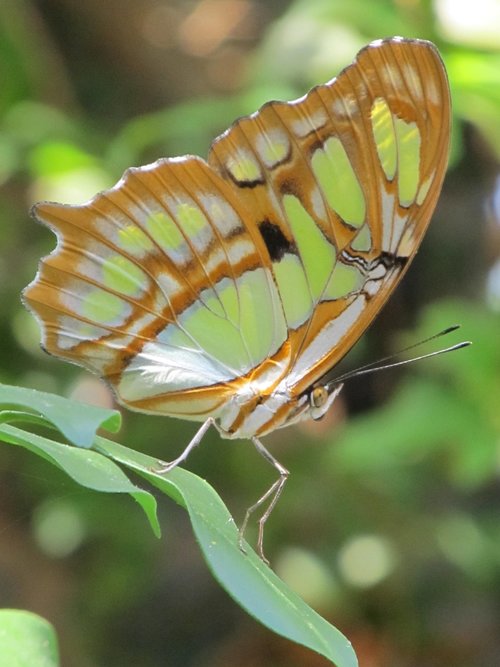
(390, 523)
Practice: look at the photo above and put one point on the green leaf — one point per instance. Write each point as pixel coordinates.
(247, 579)
(26, 640)
(76, 421)
(89, 468)
(252, 584)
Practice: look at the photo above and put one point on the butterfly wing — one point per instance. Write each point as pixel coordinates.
(342, 184)
(191, 283)
(159, 286)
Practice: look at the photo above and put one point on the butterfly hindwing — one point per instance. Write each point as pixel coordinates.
(158, 286)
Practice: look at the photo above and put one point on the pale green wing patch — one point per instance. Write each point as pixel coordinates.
(104, 308)
(122, 275)
(164, 232)
(339, 182)
(408, 140)
(385, 137)
(345, 280)
(316, 252)
(243, 167)
(239, 339)
(363, 239)
(293, 289)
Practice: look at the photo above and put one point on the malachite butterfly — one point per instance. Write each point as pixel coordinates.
(223, 291)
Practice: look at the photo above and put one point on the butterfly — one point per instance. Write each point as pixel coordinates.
(223, 291)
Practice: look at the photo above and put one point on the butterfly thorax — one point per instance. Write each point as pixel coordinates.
(250, 414)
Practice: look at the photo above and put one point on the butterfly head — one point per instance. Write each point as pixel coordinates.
(314, 403)
(321, 398)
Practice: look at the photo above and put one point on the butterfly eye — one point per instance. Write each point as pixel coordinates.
(321, 399)
(319, 402)
(319, 396)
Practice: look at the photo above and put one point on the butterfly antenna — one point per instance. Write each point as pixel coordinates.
(380, 364)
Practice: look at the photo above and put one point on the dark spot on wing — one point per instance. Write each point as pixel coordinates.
(276, 242)
(390, 260)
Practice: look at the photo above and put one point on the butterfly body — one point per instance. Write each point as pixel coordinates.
(223, 291)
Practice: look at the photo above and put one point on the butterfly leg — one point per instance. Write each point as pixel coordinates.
(274, 492)
(195, 441)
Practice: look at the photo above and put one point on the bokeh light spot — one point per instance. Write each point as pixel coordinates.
(365, 560)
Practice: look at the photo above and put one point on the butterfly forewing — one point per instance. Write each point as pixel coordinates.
(342, 184)
(199, 287)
